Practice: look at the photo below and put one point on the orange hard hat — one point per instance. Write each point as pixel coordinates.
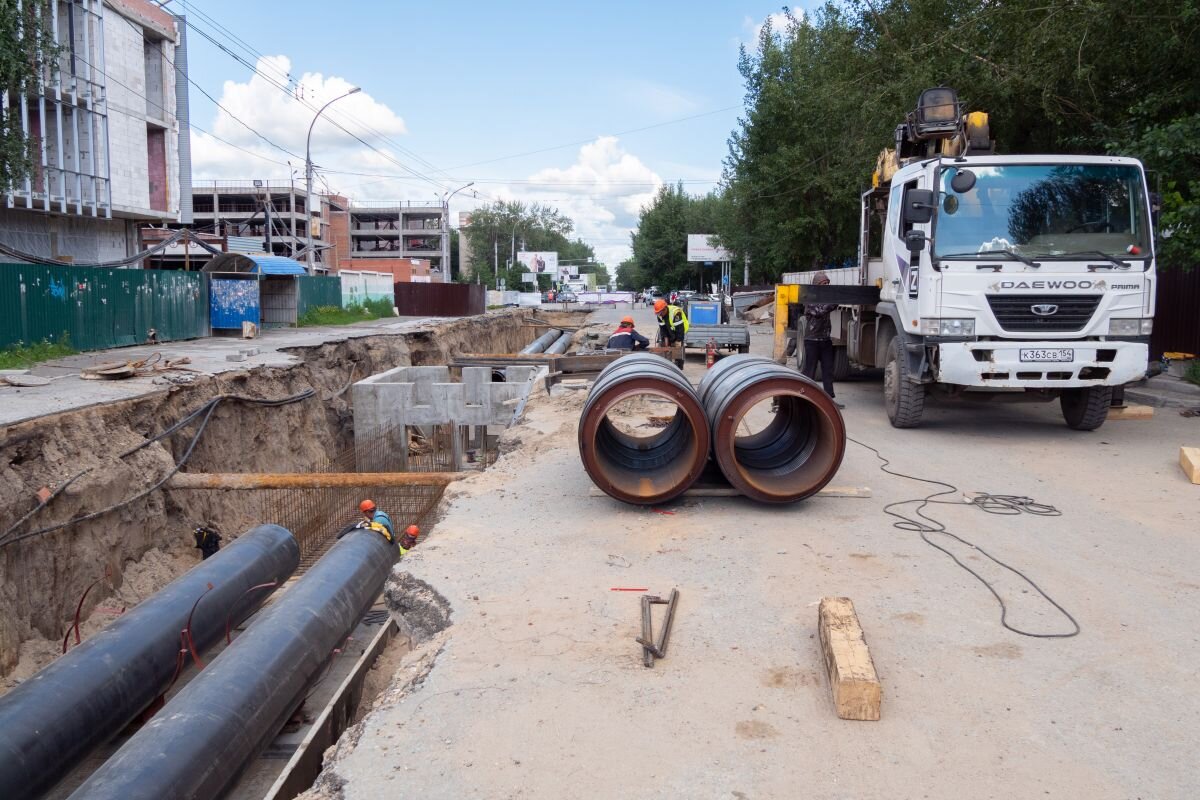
(659, 305)
(626, 320)
(413, 531)
(366, 506)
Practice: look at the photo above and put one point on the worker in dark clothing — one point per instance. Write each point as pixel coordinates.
(626, 338)
(818, 339)
(408, 539)
(672, 322)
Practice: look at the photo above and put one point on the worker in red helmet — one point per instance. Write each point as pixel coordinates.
(626, 338)
(408, 539)
(672, 322)
(372, 519)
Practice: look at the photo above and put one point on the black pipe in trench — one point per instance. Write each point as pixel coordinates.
(52, 721)
(200, 743)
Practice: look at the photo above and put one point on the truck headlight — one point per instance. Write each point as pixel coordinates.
(947, 327)
(1131, 327)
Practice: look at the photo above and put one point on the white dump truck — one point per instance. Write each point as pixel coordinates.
(990, 276)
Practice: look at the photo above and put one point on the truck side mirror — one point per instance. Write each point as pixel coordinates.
(918, 206)
(914, 241)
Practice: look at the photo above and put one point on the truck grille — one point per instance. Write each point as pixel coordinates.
(1015, 312)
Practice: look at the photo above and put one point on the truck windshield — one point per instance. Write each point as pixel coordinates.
(1043, 211)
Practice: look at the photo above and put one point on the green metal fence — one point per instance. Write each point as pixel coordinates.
(100, 308)
(318, 290)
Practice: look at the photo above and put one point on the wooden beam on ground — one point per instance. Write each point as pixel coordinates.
(856, 690)
(1189, 460)
(307, 480)
(305, 764)
(1131, 411)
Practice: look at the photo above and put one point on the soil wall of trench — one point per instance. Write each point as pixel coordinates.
(137, 549)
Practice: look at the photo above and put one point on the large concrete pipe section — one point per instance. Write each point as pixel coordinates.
(560, 346)
(52, 721)
(540, 344)
(199, 744)
(779, 455)
(650, 469)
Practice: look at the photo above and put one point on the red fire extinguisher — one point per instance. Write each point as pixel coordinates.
(710, 353)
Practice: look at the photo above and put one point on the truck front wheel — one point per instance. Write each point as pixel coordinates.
(904, 400)
(1086, 409)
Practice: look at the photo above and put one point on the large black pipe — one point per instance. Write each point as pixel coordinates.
(52, 721)
(540, 344)
(198, 745)
(799, 448)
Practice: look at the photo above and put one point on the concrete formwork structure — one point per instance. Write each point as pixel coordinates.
(422, 397)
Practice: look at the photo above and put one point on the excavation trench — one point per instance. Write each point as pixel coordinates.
(104, 565)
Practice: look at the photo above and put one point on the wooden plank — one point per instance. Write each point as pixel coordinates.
(852, 678)
(1131, 411)
(305, 764)
(728, 491)
(1189, 460)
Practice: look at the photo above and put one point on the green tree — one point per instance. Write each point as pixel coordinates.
(660, 241)
(26, 47)
(629, 277)
(498, 231)
(824, 95)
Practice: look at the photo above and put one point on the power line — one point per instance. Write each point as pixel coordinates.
(589, 141)
(284, 88)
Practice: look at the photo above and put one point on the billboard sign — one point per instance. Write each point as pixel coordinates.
(701, 247)
(528, 277)
(539, 262)
(567, 272)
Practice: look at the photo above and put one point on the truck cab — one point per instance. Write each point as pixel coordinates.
(1011, 274)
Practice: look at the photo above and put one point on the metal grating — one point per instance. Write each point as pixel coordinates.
(1015, 313)
(315, 516)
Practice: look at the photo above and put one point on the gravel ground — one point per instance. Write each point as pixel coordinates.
(536, 689)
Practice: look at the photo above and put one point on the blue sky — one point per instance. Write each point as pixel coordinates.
(446, 87)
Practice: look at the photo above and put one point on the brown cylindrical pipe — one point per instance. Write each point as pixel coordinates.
(307, 480)
(643, 470)
(800, 449)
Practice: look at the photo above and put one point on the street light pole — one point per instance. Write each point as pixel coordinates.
(308, 174)
(448, 268)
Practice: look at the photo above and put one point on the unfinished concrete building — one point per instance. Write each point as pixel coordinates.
(400, 230)
(109, 130)
(274, 213)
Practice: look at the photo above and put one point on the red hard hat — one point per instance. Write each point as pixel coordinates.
(413, 531)
(659, 305)
(366, 506)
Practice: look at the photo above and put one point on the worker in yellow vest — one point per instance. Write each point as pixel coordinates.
(672, 322)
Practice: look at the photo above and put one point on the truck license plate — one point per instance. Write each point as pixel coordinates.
(1048, 355)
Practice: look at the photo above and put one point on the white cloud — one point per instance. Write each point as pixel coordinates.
(274, 113)
(602, 191)
(779, 25)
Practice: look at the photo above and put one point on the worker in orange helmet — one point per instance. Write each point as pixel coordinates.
(626, 338)
(372, 519)
(672, 322)
(408, 540)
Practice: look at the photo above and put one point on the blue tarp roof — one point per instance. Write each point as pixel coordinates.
(277, 265)
(255, 264)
